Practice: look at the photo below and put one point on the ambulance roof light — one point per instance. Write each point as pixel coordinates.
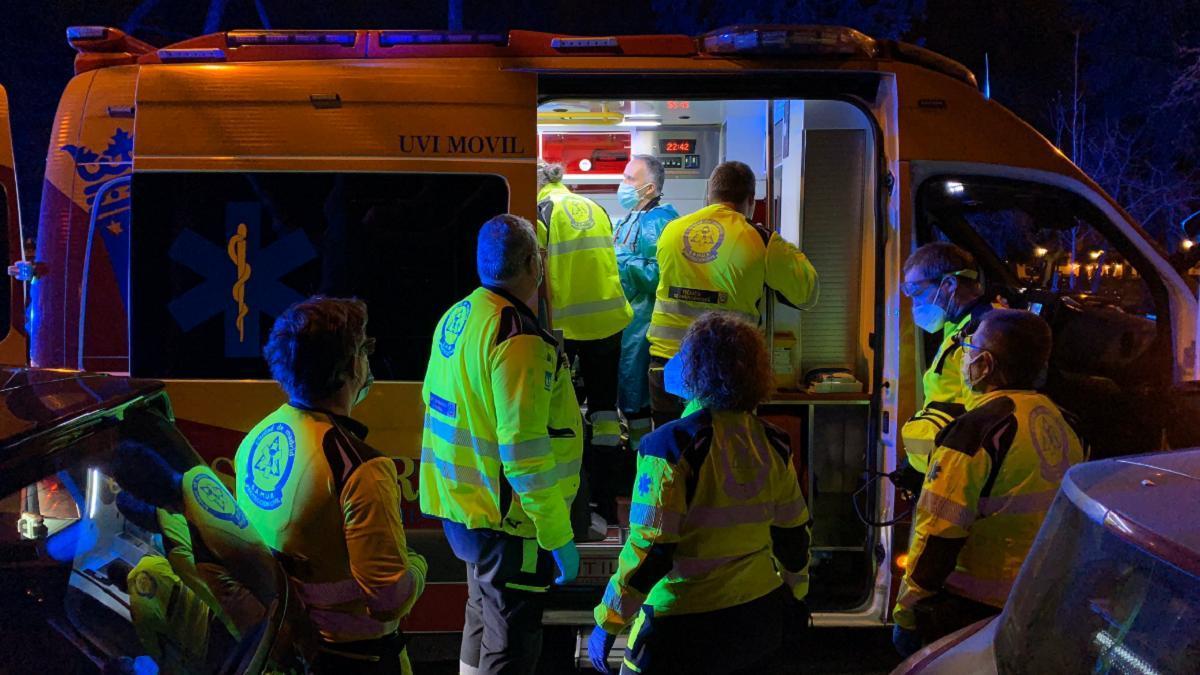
(242, 38)
(584, 44)
(85, 33)
(174, 55)
(750, 40)
(404, 38)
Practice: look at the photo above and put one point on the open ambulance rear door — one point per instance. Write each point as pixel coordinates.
(14, 348)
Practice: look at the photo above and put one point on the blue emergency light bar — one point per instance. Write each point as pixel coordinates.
(409, 38)
(789, 40)
(77, 33)
(242, 38)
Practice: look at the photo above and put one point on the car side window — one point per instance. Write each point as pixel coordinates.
(1046, 237)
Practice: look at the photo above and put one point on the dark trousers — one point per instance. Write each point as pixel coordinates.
(745, 638)
(942, 614)
(610, 470)
(664, 406)
(599, 365)
(506, 582)
(380, 656)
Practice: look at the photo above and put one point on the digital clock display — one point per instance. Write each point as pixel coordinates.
(677, 146)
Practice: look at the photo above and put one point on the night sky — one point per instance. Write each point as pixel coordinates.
(1131, 56)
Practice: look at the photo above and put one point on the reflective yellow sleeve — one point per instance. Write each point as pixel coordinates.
(375, 541)
(177, 542)
(920, 432)
(522, 379)
(947, 508)
(655, 515)
(791, 533)
(790, 273)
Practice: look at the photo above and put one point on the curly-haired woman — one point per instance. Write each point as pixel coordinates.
(716, 565)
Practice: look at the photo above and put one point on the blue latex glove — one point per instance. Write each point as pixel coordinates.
(599, 644)
(567, 560)
(906, 642)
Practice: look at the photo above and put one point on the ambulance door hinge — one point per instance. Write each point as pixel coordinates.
(325, 101)
(889, 182)
(887, 422)
(26, 270)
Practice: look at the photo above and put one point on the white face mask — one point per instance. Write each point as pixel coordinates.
(366, 386)
(966, 371)
(929, 317)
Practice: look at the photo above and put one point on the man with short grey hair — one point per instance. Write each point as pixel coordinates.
(501, 451)
(636, 240)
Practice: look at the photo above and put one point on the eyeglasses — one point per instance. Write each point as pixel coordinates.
(912, 288)
(368, 346)
(965, 344)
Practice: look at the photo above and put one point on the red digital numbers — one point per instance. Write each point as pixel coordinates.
(678, 105)
(677, 146)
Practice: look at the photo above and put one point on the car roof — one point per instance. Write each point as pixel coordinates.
(36, 400)
(1147, 500)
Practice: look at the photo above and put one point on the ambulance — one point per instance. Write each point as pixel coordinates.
(194, 191)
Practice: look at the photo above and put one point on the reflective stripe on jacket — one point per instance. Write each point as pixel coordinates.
(581, 266)
(989, 485)
(503, 441)
(946, 397)
(330, 504)
(714, 259)
(717, 520)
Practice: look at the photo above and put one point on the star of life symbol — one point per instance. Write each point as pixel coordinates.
(269, 465)
(241, 279)
(644, 485)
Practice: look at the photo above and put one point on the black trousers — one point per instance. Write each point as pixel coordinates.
(506, 582)
(942, 614)
(664, 406)
(745, 638)
(380, 656)
(610, 469)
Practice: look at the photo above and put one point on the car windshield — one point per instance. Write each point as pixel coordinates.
(1088, 601)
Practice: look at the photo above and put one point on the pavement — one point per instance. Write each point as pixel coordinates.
(857, 651)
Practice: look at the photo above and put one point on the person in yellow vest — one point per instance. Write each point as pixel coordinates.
(501, 451)
(216, 565)
(715, 259)
(715, 570)
(947, 301)
(587, 303)
(323, 498)
(989, 485)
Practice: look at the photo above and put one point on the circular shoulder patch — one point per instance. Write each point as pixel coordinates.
(452, 328)
(269, 465)
(579, 212)
(145, 585)
(212, 496)
(1050, 442)
(702, 240)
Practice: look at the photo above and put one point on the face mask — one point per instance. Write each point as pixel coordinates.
(966, 372)
(627, 195)
(366, 386)
(929, 316)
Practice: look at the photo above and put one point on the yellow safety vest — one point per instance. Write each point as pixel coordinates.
(989, 485)
(946, 397)
(717, 520)
(503, 439)
(714, 259)
(586, 296)
(330, 503)
(171, 621)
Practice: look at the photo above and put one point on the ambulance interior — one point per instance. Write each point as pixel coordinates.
(820, 156)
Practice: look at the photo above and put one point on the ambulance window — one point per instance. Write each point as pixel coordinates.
(1048, 238)
(217, 256)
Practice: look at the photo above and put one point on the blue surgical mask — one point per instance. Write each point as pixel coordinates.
(929, 316)
(627, 196)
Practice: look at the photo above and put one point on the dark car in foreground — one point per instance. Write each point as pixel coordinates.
(1112, 584)
(66, 551)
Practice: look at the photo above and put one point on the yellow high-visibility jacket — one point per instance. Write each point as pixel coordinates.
(171, 621)
(586, 295)
(714, 259)
(989, 485)
(946, 396)
(717, 520)
(330, 503)
(503, 437)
